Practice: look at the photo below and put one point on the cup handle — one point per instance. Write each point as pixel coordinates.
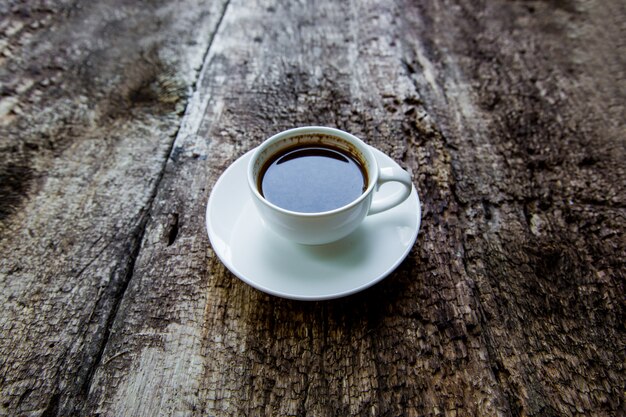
(391, 174)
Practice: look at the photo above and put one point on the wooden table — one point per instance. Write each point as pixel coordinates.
(117, 117)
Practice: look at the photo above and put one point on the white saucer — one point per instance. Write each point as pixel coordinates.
(277, 266)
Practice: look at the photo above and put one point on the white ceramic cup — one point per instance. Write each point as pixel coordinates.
(328, 226)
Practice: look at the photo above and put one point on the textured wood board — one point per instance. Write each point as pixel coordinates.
(510, 115)
(92, 97)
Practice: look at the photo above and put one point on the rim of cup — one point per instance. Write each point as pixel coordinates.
(372, 174)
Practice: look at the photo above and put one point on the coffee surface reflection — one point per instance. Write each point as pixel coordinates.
(312, 178)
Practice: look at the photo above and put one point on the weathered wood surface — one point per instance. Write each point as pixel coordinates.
(117, 117)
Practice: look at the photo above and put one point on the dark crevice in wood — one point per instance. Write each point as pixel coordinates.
(118, 296)
(172, 232)
(15, 179)
(527, 213)
(53, 406)
(23, 397)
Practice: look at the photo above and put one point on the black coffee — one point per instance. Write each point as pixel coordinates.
(312, 178)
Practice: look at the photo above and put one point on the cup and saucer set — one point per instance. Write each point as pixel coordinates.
(316, 254)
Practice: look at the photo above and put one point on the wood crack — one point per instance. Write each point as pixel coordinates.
(206, 54)
(119, 293)
(139, 234)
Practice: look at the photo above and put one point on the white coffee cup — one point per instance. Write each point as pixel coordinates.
(327, 226)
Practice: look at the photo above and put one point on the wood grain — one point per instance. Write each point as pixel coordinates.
(510, 116)
(92, 96)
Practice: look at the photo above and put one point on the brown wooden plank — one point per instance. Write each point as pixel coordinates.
(533, 111)
(510, 303)
(92, 94)
(510, 116)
